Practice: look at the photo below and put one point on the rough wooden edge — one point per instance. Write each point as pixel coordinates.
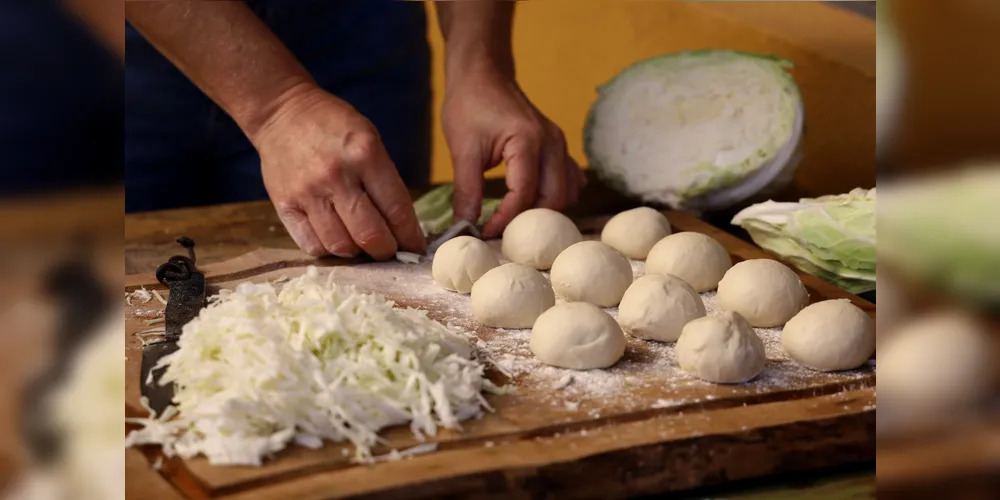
(629, 460)
(934, 458)
(142, 480)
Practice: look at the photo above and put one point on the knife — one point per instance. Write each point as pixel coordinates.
(186, 299)
(462, 227)
(457, 229)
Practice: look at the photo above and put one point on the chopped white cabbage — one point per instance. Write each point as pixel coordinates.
(408, 257)
(138, 297)
(258, 369)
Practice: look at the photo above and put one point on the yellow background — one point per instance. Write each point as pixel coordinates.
(564, 49)
(951, 106)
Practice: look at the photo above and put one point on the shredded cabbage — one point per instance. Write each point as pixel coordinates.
(832, 237)
(259, 368)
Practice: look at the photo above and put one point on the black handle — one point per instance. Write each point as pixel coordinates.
(178, 267)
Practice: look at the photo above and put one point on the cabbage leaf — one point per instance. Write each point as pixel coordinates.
(831, 237)
(435, 214)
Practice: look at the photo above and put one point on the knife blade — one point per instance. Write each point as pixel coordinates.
(462, 227)
(186, 285)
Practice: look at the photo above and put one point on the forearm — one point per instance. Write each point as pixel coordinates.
(227, 52)
(105, 20)
(477, 36)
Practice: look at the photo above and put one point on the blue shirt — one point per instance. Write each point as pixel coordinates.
(182, 150)
(60, 102)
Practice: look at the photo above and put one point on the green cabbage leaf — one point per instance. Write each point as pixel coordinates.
(434, 209)
(941, 230)
(831, 237)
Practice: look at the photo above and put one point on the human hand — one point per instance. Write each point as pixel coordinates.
(332, 182)
(488, 119)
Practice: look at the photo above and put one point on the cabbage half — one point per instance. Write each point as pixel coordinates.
(832, 237)
(699, 131)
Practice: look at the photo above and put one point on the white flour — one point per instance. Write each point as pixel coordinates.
(647, 365)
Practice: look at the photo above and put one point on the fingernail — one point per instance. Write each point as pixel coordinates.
(343, 254)
(316, 252)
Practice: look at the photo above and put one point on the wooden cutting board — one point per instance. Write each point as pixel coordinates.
(642, 426)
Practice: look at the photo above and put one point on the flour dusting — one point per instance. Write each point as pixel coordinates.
(647, 372)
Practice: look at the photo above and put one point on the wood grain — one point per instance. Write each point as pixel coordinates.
(227, 231)
(626, 459)
(718, 434)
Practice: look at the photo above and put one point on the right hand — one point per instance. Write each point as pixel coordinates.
(332, 182)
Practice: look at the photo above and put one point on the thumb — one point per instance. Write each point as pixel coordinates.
(468, 169)
(522, 157)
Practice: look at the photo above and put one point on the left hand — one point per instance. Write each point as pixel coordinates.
(488, 119)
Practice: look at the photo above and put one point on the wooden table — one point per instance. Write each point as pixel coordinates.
(226, 231)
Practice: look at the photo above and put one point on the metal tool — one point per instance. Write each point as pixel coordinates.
(186, 299)
(462, 227)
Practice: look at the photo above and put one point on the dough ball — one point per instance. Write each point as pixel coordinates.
(460, 261)
(511, 296)
(722, 349)
(634, 232)
(936, 364)
(590, 271)
(657, 306)
(830, 335)
(692, 257)
(765, 292)
(537, 236)
(577, 335)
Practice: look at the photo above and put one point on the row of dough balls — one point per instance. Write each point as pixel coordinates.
(664, 305)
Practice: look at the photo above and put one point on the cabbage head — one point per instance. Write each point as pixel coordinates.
(700, 130)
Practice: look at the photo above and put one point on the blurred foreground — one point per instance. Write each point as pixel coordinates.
(61, 374)
(61, 328)
(938, 250)
(939, 334)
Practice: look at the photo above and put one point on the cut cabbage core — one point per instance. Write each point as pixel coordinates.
(699, 130)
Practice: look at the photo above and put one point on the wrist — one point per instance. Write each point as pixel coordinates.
(259, 112)
(478, 63)
(266, 113)
(477, 38)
